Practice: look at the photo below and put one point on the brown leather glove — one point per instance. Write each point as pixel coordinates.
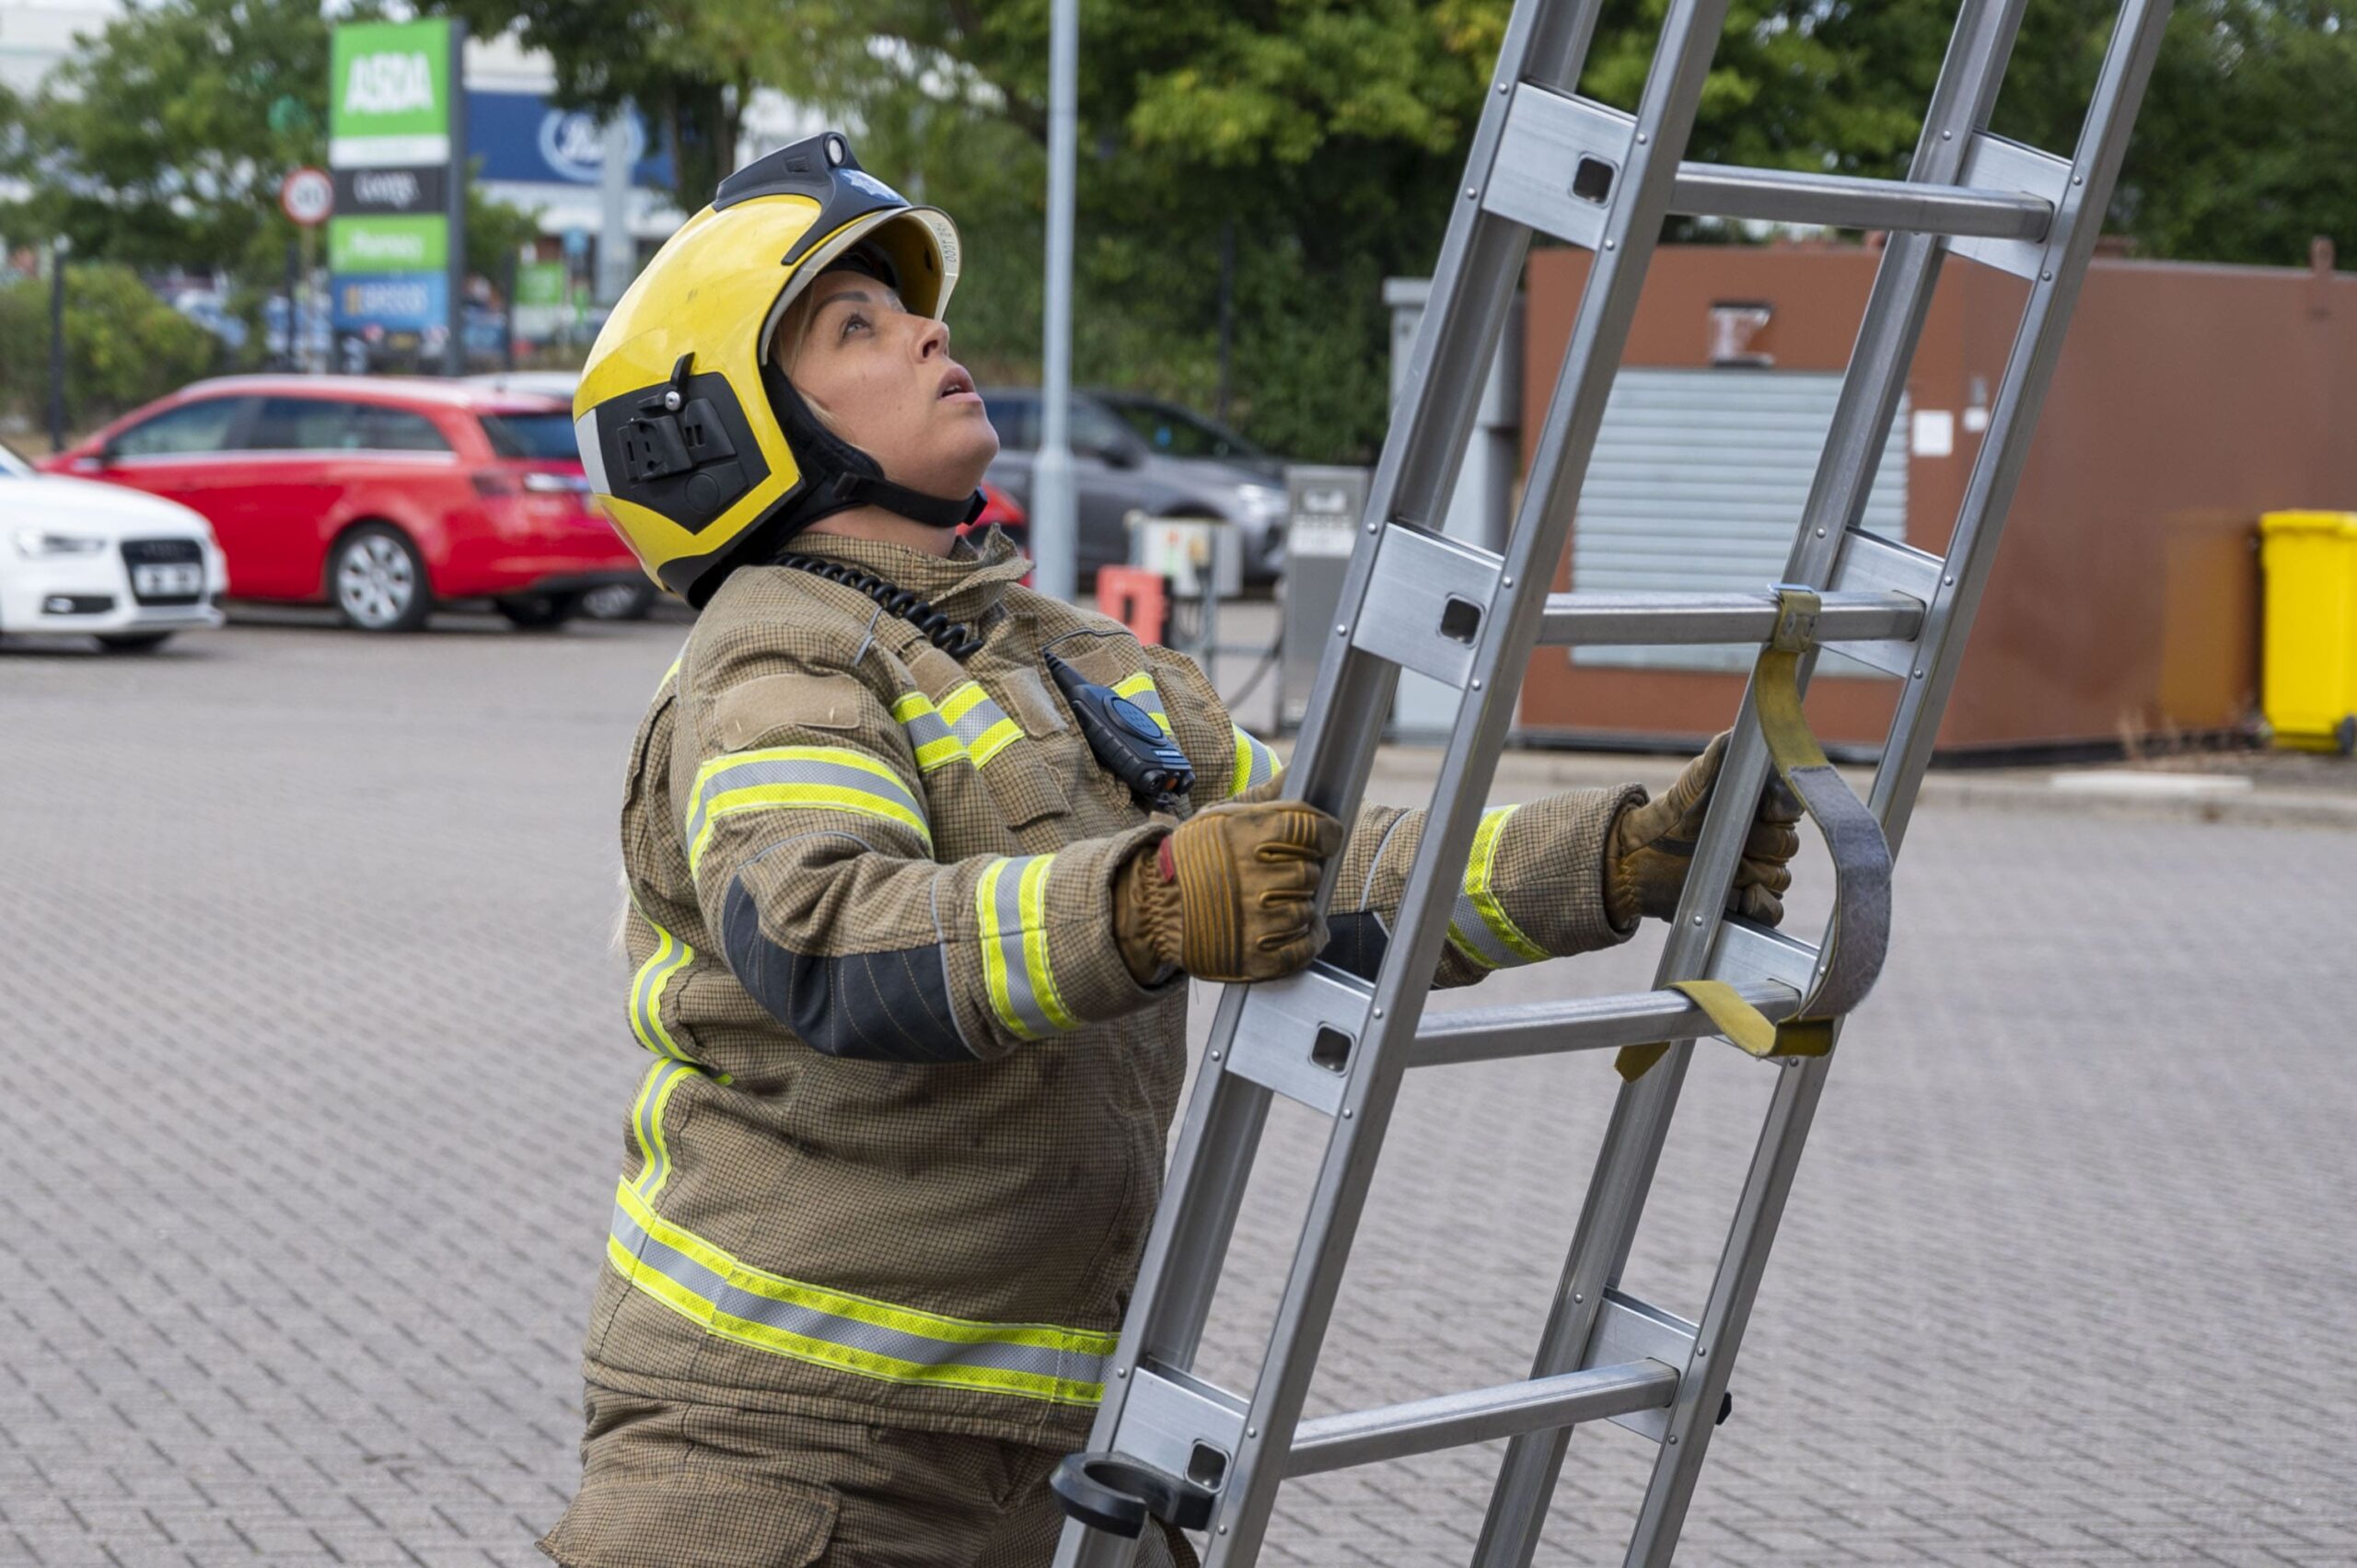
(1651, 848)
(1227, 895)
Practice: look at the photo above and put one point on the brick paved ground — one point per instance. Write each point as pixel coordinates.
(317, 1079)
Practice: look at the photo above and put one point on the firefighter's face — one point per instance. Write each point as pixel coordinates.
(881, 378)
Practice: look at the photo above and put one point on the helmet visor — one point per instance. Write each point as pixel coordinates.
(917, 245)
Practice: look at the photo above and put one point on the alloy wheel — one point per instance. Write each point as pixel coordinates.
(376, 582)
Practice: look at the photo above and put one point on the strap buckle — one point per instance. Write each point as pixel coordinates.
(1797, 607)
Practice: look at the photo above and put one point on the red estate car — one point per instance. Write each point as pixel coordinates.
(379, 495)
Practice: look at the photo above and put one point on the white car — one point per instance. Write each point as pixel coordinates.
(78, 556)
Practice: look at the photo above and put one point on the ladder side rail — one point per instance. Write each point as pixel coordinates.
(1673, 91)
(1422, 451)
(2021, 395)
(1473, 286)
(1479, 261)
(2102, 142)
(1194, 1222)
(1979, 49)
(1677, 1462)
(1473, 282)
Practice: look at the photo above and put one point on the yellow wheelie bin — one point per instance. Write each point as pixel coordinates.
(2310, 684)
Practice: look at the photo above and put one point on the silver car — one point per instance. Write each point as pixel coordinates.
(1133, 454)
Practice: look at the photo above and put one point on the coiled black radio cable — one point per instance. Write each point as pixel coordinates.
(952, 637)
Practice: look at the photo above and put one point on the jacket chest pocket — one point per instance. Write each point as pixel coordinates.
(977, 734)
(1028, 798)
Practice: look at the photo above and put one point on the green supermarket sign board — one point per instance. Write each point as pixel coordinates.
(390, 80)
(390, 108)
(412, 244)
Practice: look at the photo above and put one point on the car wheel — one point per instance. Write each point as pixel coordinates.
(133, 642)
(379, 581)
(618, 601)
(537, 612)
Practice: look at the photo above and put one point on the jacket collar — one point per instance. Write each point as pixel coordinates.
(966, 585)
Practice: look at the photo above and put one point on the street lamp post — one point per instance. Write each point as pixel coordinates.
(59, 250)
(1055, 535)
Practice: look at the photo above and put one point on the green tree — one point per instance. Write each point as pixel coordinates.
(161, 143)
(1326, 136)
(155, 144)
(612, 53)
(496, 232)
(124, 346)
(1326, 133)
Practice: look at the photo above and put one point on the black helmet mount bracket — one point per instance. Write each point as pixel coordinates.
(681, 447)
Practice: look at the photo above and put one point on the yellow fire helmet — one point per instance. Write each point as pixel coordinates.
(701, 452)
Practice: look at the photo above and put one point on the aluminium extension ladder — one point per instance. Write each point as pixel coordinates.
(1546, 160)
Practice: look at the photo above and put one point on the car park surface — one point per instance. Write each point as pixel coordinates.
(306, 1215)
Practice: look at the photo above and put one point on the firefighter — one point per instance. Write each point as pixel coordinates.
(917, 880)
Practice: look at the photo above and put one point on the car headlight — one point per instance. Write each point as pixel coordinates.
(34, 545)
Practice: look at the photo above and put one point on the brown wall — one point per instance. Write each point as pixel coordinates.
(2188, 400)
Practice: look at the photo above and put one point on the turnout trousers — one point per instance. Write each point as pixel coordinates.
(670, 1484)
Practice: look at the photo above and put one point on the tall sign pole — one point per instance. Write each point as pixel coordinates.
(397, 153)
(1055, 534)
(307, 198)
(59, 248)
(617, 247)
(454, 352)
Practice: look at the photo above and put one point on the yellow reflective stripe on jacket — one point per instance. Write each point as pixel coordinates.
(830, 778)
(735, 1300)
(1010, 899)
(670, 955)
(1140, 688)
(980, 723)
(646, 1125)
(1255, 763)
(930, 736)
(1479, 926)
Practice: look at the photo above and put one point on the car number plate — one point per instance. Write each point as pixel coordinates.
(167, 582)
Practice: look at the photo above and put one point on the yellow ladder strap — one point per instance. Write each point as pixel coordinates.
(1860, 932)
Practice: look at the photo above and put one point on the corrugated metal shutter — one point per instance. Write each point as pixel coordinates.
(1698, 482)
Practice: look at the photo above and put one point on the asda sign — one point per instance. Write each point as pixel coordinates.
(388, 94)
(395, 120)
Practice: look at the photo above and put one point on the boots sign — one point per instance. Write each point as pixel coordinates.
(396, 125)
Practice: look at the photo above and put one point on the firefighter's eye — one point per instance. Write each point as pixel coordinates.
(855, 321)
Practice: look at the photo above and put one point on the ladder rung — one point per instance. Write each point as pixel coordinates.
(1453, 1421)
(1594, 618)
(1562, 156)
(1844, 200)
(1591, 1023)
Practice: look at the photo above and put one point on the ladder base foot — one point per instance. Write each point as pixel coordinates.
(1109, 1492)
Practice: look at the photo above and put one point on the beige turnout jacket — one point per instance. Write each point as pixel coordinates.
(903, 1133)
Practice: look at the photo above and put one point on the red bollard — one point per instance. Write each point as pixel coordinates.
(1136, 598)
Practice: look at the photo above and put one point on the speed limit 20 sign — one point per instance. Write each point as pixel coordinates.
(307, 196)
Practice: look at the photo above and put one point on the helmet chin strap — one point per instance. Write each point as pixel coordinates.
(838, 476)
